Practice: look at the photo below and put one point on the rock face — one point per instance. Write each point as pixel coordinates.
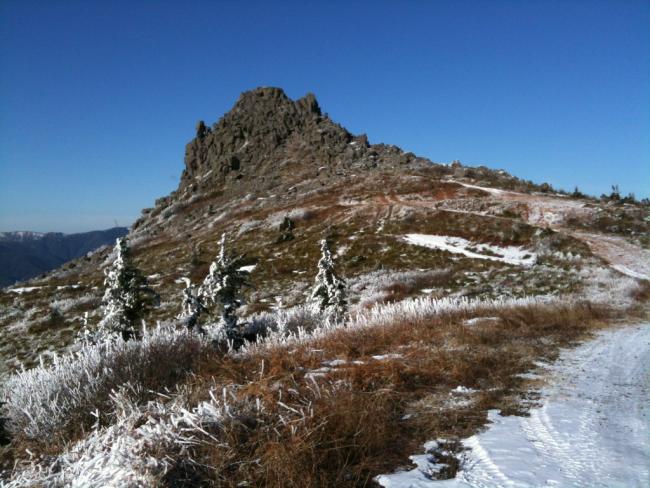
(268, 139)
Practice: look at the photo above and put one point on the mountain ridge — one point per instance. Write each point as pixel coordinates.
(26, 254)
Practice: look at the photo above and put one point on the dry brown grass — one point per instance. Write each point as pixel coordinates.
(641, 294)
(356, 428)
(398, 291)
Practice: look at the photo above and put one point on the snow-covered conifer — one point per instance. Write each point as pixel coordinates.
(192, 306)
(127, 297)
(329, 290)
(222, 288)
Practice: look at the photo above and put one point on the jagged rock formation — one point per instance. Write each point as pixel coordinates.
(269, 144)
(268, 139)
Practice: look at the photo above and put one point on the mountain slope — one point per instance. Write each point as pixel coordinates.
(459, 281)
(24, 255)
(272, 158)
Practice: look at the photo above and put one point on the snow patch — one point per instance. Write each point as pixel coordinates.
(457, 245)
(491, 191)
(25, 289)
(335, 362)
(385, 357)
(426, 469)
(463, 390)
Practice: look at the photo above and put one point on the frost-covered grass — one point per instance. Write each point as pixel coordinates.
(426, 346)
(390, 285)
(140, 446)
(416, 310)
(66, 304)
(602, 285)
(283, 322)
(51, 400)
(388, 360)
(293, 427)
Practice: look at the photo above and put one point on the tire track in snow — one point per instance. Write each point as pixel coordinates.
(482, 457)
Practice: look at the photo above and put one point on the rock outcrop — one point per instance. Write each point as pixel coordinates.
(267, 140)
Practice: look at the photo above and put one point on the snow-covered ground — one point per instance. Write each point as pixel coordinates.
(491, 191)
(592, 429)
(458, 245)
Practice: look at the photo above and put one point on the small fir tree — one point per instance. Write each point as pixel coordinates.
(127, 297)
(577, 193)
(329, 290)
(222, 288)
(192, 306)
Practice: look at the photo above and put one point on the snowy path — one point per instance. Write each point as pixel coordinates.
(623, 256)
(592, 430)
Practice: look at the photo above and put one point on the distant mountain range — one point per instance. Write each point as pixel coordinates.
(24, 255)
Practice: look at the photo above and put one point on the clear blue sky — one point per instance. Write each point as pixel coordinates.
(97, 99)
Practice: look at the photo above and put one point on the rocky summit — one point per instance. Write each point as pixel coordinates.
(267, 140)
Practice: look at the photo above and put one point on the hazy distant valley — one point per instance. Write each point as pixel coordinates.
(24, 255)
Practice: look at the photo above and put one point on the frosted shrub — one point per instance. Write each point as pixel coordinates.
(44, 402)
(305, 318)
(140, 446)
(329, 290)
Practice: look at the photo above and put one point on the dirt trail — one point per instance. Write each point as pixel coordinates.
(622, 255)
